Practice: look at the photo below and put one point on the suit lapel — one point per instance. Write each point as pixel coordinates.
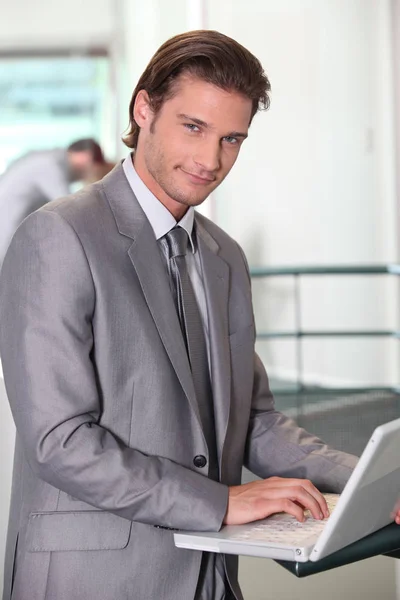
(216, 286)
(146, 260)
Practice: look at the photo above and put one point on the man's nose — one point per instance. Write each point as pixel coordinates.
(208, 156)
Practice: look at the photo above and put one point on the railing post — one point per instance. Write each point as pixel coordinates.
(299, 341)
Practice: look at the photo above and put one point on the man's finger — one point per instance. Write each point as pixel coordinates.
(283, 505)
(313, 491)
(296, 494)
(396, 516)
(308, 487)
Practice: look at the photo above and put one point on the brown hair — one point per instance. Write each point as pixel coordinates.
(208, 55)
(88, 145)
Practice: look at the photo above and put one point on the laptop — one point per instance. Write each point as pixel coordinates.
(364, 506)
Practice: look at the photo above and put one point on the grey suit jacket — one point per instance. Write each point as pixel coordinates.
(107, 421)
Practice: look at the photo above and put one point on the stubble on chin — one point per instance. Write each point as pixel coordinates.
(170, 187)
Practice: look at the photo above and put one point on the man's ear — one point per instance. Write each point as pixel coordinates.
(142, 111)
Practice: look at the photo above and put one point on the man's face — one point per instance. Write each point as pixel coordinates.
(187, 149)
(80, 165)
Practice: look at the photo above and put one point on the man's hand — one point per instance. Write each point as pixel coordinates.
(396, 512)
(260, 499)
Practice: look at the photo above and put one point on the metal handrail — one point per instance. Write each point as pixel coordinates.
(298, 333)
(392, 269)
(327, 333)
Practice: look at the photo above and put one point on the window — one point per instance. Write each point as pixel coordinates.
(51, 101)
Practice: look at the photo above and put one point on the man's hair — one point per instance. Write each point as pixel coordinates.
(208, 55)
(88, 145)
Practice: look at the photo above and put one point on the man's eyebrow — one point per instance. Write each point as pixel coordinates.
(194, 119)
(236, 134)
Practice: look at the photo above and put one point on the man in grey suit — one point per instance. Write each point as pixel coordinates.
(107, 368)
(39, 177)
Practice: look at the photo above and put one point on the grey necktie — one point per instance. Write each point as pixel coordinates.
(174, 245)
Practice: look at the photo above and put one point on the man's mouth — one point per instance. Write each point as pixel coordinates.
(200, 179)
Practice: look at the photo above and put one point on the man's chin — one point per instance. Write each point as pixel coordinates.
(191, 202)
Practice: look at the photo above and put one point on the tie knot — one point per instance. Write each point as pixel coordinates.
(177, 240)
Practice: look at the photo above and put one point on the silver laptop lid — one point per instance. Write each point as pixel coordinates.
(370, 495)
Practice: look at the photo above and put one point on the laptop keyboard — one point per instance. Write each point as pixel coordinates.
(284, 529)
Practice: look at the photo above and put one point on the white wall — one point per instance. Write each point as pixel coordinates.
(315, 183)
(396, 52)
(56, 23)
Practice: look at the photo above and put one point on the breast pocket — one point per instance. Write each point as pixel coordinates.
(80, 530)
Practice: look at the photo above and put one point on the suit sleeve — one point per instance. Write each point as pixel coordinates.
(47, 301)
(277, 446)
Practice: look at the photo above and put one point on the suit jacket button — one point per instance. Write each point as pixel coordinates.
(200, 461)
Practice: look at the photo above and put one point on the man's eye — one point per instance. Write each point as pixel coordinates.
(231, 140)
(191, 127)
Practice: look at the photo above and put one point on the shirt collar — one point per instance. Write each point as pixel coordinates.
(158, 215)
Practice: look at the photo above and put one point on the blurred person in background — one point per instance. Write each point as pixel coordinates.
(41, 176)
(98, 171)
